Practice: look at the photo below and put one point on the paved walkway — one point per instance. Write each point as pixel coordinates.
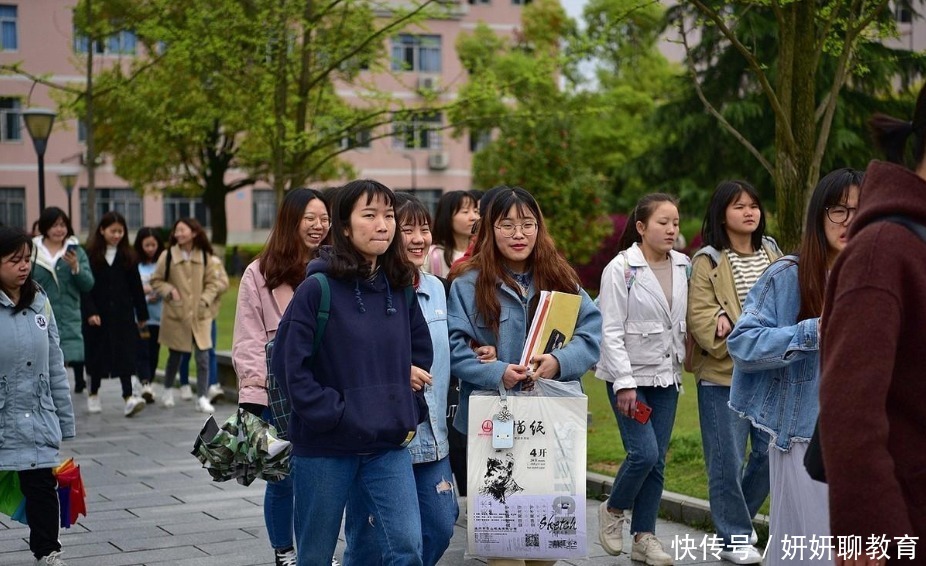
(150, 502)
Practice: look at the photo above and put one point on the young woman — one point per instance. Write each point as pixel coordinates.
(489, 305)
(215, 390)
(267, 288)
(189, 291)
(872, 349)
(437, 503)
(60, 266)
(644, 298)
(457, 211)
(775, 349)
(148, 248)
(36, 408)
(114, 312)
(353, 409)
(735, 254)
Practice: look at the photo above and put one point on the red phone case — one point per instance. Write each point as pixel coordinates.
(642, 412)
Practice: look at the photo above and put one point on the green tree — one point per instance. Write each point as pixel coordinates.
(794, 59)
(513, 89)
(256, 94)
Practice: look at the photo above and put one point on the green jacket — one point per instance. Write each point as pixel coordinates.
(64, 289)
(711, 290)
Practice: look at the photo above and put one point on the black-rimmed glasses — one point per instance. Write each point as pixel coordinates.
(840, 214)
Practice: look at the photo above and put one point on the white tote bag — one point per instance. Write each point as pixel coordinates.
(528, 501)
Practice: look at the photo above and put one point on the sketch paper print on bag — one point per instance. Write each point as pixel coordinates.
(498, 482)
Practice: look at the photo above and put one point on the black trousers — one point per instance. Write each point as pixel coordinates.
(79, 382)
(41, 491)
(146, 359)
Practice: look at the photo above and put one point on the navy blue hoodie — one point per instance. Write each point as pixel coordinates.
(355, 396)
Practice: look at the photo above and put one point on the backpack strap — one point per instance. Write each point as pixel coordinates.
(324, 309)
(907, 223)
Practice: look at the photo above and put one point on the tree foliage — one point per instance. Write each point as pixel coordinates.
(790, 82)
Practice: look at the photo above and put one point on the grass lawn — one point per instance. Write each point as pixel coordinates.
(685, 471)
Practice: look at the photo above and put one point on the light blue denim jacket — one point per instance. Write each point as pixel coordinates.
(776, 359)
(467, 326)
(430, 443)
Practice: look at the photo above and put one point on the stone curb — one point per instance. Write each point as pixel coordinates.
(674, 506)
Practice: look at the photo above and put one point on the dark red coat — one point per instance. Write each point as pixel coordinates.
(873, 385)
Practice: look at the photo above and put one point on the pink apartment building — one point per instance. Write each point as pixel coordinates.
(40, 34)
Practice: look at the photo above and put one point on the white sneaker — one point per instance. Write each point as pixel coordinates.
(147, 393)
(93, 404)
(649, 550)
(753, 537)
(133, 406)
(185, 392)
(53, 559)
(742, 555)
(215, 391)
(204, 406)
(168, 398)
(611, 529)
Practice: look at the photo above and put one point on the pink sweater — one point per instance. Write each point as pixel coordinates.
(256, 320)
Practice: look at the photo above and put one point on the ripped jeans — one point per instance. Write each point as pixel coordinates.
(437, 504)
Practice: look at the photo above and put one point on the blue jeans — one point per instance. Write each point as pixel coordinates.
(438, 508)
(736, 494)
(278, 506)
(639, 480)
(213, 366)
(321, 485)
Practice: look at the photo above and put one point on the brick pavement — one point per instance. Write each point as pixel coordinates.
(149, 501)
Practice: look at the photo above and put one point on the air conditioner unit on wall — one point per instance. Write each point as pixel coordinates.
(428, 84)
(439, 160)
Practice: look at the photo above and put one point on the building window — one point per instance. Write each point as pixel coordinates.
(479, 139)
(13, 207)
(421, 132)
(81, 131)
(420, 53)
(428, 197)
(126, 202)
(9, 40)
(903, 14)
(120, 43)
(477, 2)
(177, 207)
(263, 209)
(520, 2)
(10, 121)
(360, 139)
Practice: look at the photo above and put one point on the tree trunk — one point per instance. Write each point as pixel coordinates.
(795, 131)
(214, 199)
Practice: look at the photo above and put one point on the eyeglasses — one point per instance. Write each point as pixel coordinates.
(840, 214)
(509, 229)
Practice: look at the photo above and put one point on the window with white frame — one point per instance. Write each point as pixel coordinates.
(428, 198)
(125, 201)
(178, 206)
(419, 132)
(902, 13)
(13, 206)
(479, 139)
(81, 131)
(361, 139)
(120, 43)
(10, 119)
(520, 2)
(420, 53)
(9, 34)
(263, 209)
(475, 2)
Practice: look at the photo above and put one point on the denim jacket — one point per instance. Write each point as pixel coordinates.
(430, 443)
(467, 326)
(776, 359)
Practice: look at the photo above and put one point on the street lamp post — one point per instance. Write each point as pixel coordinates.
(39, 122)
(411, 159)
(68, 178)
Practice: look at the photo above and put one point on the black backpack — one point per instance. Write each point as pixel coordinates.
(813, 458)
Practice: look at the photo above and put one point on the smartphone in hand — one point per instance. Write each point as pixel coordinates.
(642, 412)
(71, 248)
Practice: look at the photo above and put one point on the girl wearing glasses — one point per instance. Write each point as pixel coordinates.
(775, 349)
(490, 303)
(735, 254)
(644, 298)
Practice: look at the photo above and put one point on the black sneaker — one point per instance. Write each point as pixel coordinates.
(285, 557)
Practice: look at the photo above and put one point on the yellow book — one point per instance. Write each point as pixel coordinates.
(553, 325)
